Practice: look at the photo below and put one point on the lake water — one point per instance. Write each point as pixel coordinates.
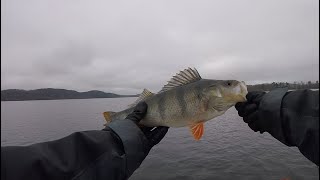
(229, 149)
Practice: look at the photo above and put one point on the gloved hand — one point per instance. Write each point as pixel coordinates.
(153, 134)
(249, 111)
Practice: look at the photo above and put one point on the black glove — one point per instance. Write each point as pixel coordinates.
(249, 111)
(153, 134)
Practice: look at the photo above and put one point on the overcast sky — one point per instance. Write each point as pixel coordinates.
(125, 46)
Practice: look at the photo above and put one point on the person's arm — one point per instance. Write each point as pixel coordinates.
(291, 117)
(112, 153)
(300, 116)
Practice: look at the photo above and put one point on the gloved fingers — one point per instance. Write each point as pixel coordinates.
(251, 95)
(250, 108)
(138, 113)
(254, 126)
(146, 130)
(253, 121)
(251, 117)
(255, 96)
(156, 135)
(241, 113)
(245, 109)
(240, 106)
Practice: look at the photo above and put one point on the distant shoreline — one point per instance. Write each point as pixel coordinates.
(54, 94)
(70, 98)
(63, 94)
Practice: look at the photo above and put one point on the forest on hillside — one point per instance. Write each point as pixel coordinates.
(291, 86)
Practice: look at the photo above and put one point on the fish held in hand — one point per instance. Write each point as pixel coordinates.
(187, 100)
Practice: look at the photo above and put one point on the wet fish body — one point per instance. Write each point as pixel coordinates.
(187, 100)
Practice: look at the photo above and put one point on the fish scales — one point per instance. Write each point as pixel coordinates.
(187, 100)
(169, 107)
(173, 106)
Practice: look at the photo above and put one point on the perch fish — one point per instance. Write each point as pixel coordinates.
(187, 101)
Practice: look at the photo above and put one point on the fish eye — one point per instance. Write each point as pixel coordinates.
(229, 83)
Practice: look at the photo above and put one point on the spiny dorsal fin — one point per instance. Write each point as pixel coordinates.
(186, 76)
(143, 96)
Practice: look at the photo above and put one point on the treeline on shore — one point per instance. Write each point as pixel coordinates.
(291, 86)
(52, 94)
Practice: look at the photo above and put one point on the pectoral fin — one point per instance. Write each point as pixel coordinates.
(197, 130)
(107, 115)
(218, 104)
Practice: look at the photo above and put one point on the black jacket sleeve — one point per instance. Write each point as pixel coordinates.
(112, 153)
(295, 116)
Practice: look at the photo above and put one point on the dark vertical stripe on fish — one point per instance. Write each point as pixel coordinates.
(182, 103)
(161, 104)
(198, 90)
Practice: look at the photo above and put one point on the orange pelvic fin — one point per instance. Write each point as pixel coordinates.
(107, 115)
(197, 130)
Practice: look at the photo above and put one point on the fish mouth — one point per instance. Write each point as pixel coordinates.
(240, 98)
(243, 91)
(236, 94)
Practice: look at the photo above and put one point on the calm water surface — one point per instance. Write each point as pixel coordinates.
(228, 149)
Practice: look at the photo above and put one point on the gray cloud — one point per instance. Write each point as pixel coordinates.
(124, 47)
